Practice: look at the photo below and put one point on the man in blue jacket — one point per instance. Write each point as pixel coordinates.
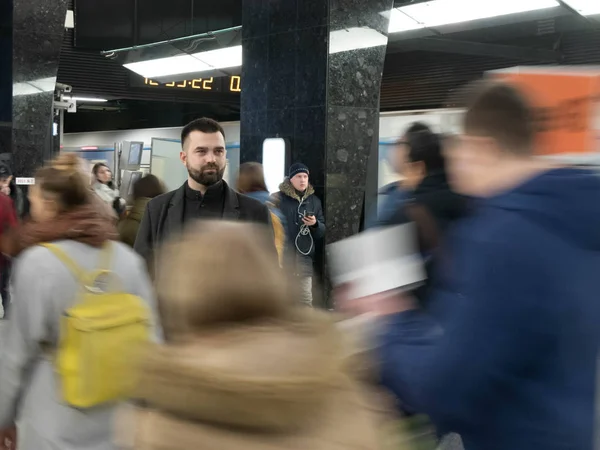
(513, 365)
(304, 226)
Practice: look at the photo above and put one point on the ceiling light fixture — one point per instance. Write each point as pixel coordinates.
(355, 38)
(89, 99)
(399, 21)
(34, 86)
(445, 12)
(585, 7)
(222, 58)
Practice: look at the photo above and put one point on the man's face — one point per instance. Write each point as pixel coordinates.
(205, 157)
(396, 156)
(471, 160)
(5, 185)
(300, 181)
(412, 172)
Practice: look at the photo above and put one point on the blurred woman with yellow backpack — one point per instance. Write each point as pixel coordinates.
(251, 182)
(82, 305)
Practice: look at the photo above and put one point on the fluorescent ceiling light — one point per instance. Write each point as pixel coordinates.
(89, 99)
(585, 7)
(70, 20)
(399, 21)
(444, 12)
(354, 39)
(34, 87)
(198, 62)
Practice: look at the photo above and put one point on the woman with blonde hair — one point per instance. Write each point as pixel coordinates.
(243, 367)
(45, 285)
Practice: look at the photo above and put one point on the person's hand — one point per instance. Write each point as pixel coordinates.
(8, 438)
(309, 220)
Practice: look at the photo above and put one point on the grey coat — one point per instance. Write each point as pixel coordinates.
(42, 288)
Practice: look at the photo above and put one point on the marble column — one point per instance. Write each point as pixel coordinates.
(312, 74)
(38, 28)
(5, 75)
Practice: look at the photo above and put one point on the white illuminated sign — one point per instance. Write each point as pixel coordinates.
(274, 162)
(25, 181)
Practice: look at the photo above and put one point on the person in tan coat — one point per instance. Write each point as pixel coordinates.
(243, 367)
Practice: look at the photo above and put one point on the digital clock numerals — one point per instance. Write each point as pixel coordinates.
(235, 84)
(204, 84)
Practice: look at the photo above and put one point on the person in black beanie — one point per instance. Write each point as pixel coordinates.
(305, 225)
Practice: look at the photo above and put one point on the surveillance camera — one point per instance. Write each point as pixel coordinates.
(64, 87)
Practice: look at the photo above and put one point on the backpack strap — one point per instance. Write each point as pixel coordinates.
(66, 260)
(81, 275)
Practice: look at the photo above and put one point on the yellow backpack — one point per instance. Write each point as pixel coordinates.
(279, 233)
(101, 336)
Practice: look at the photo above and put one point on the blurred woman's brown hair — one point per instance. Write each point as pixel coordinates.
(243, 365)
(68, 162)
(72, 162)
(251, 178)
(148, 187)
(65, 185)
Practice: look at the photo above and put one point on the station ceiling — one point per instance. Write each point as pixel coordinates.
(422, 66)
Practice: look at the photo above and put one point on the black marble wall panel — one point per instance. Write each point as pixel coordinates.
(5, 60)
(5, 75)
(354, 84)
(38, 27)
(285, 80)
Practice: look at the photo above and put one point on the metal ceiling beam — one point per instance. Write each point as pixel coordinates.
(431, 44)
(589, 21)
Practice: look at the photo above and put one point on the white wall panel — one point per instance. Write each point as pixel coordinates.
(108, 138)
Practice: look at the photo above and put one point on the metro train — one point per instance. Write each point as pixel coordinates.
(99, 146)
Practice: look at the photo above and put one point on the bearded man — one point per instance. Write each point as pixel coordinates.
(205, 195)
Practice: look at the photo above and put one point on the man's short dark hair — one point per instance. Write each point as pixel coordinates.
(500, 111)
(204, 124)
(424, 146)
(417, 127)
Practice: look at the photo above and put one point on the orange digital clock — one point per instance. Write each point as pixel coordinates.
(222, 84)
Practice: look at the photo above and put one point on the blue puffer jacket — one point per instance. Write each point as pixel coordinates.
(391, 200)
(265, 198)
(514, 365)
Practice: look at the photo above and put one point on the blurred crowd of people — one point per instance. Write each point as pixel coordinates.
(183, 319)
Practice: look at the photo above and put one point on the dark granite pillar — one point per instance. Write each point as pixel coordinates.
(5, 75)
(38, 28)
(312, 74)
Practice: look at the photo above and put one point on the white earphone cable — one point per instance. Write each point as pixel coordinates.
(304, 231)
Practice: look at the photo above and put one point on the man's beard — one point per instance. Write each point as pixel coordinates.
(203, 177)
